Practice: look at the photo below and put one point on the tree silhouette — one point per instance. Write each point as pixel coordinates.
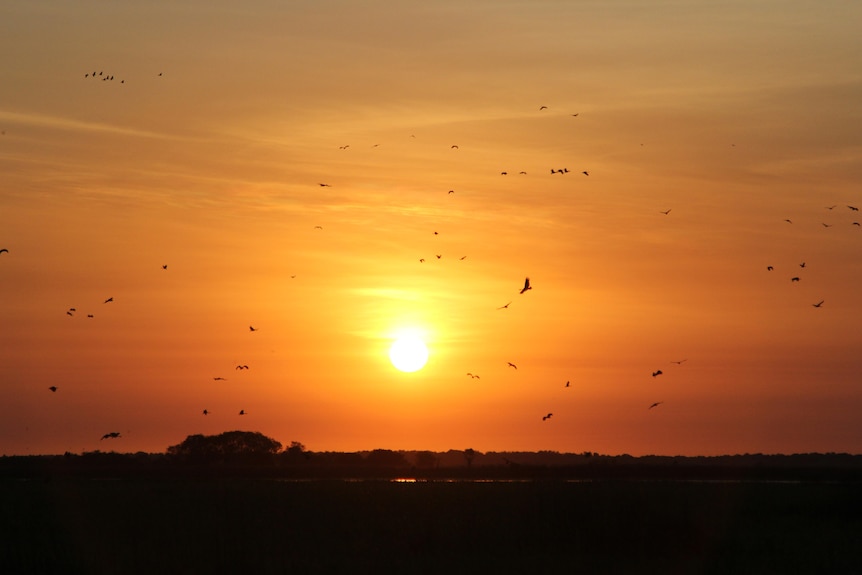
(227, 447)
(469, 454)
(386, 458)
(426, 459)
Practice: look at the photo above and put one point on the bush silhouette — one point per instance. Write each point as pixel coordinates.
(227, 447)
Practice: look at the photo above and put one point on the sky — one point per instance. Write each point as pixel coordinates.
(292, 164)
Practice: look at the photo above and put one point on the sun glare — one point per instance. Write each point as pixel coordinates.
(408, 353)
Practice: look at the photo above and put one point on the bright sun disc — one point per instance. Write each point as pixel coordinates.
(408, 353)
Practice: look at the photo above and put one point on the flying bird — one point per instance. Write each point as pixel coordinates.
(769, 268)
(4, 251)
(242, 412)
(656, 404)
(206, 412)
(818, 304)
(504, 306)
(656, 372)
(89, 315)
(802, 265)
(794, 279)
(568, 384)
(544, 417)
(512, 364)
(252, 328)
(527, 286)
(788, 221)
(112, 435)
(854, 208)
(165, 266)
(53, 388)
(454, 147)
(473, 376)
(665, 212)
(219, 379)
(542, 108)
(680, 362)
(439, 256)
(242, 367)
(110, 299)
(451, 191)
(421, 260)
(324, 185)
(586, 173)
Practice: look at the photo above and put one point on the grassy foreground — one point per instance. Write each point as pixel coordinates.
(240, 525)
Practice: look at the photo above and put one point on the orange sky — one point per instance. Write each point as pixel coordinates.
(206, 150)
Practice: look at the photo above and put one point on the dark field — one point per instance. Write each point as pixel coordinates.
(242, 525)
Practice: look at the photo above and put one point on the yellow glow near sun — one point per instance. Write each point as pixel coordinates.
(408, 352)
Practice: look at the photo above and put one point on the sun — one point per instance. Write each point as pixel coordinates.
(408, 353)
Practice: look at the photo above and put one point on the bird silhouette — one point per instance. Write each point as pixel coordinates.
(473, 376)
(666, 212)
(4, 251)
(544, 417)
(586, 173)
(242, 412)
(165, 266)
(110, 299)
(89, 315)
(439, 256)
(788, 221)
(324, 185)
(680, 362)
(830, 207)
(802, 265)
(504, 306)
(769, 268)
(656, 404)
(818, 304)
(111, 435)
(451, 192)
(242, 367)
(53, 388)
(568, 384)
(542, 108)
(252, 328)
(219, 379)
(794, 279)
(827, 225)
(454, 147)
(510, 364)
(421, 260)
(656, 372)
(853, 208)
(206, 412)
(527, 286)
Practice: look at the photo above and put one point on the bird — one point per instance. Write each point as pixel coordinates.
(665, 212)
(586, 173)
(794, 279)
(504, 173)
(680, 362)
(421, 260)
(454, 147)
(504, 306)
(656, 372)
(451, 192)
(110, 299)
(53, 388)
(242, 367)
(818, 304)
(802, 265)
(4, 251)
(473, 376)
(510, 364)
(69, 313)
(656, 404)
(827, 225)
(853, 208)
(830, 207)
(318, 227)
(324, 185)
(542, 108)
(788, 221)
(769, 268)
(544, 417)
(527, 285)
(242, 412)
(462, 258)
(522, 173)
(89, 315)
(856, 223)
(219, 379)
(206, 412)
(439, 256)
(111, 435)
(252, 328)
(568, 384)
